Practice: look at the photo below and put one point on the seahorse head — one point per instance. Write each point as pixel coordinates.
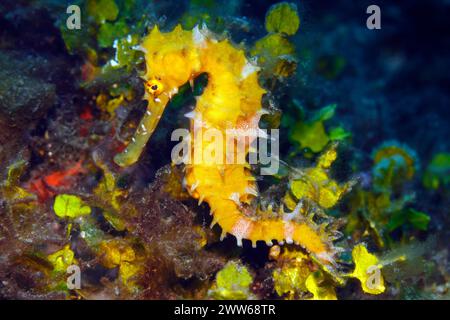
(171, 59)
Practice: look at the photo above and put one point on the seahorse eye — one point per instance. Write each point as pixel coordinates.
(154, 87)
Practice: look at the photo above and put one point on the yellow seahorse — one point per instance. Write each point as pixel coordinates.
(231, 99)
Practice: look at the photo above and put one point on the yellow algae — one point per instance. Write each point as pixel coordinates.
(232, 283)
(114, 253)
(367, 270)
(320, 292)
(289, 279)
(317, 186)
(62, 259)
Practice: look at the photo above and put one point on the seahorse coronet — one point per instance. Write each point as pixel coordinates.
(231, 99)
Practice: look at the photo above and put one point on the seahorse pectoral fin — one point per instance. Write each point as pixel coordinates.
(144, 131)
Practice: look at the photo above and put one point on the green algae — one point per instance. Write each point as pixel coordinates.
(70, 206)
(283, 18)
(437, 173)
(102, 10)
(311, 133)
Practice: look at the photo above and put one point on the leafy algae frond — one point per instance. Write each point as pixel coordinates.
(232, 283)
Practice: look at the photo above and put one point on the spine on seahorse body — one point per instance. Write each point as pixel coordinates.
(226, 190)
(230, 100)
